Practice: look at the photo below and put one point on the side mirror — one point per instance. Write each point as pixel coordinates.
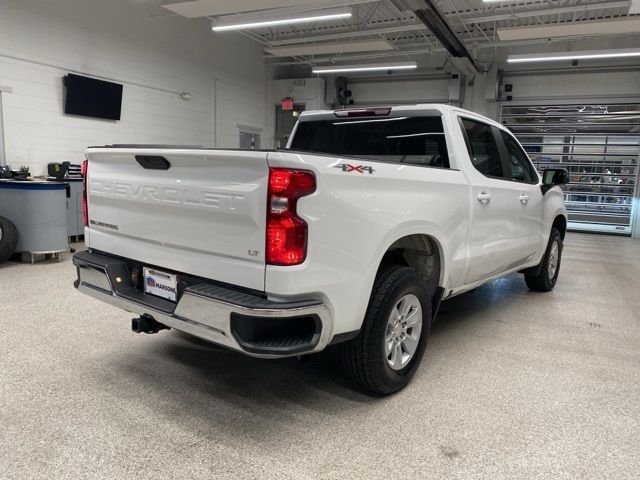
(552, 177)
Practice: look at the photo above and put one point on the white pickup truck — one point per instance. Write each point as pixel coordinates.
(353, 234)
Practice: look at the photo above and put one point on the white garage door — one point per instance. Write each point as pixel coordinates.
(599, 146)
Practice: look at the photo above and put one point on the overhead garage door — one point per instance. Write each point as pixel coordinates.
(599, 146)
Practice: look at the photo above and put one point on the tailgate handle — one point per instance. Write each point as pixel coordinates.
(153, 162)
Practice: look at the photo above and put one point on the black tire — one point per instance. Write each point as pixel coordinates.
(544, 281)
(364, 358)
(8, 239)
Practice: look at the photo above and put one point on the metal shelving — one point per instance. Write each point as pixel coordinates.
(599, 146)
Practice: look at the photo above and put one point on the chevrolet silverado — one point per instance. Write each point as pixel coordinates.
(352, 235)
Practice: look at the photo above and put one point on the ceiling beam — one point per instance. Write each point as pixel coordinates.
(514, 15)
(429, 13)
(409, 51)
(356, 33)
(467, 20)
(330, 47)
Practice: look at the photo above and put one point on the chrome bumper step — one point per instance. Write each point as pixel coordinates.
(236, 319)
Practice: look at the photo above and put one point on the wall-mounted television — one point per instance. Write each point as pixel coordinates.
(92, 98)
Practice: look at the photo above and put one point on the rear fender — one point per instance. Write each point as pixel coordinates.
(398, 233)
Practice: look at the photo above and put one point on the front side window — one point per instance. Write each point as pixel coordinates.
(406, 140)
(521, 168)
(483, 149)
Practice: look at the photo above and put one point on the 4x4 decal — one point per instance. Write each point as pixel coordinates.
(347, 167)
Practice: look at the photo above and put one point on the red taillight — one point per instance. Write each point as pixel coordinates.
(286, 231)
(85, 210)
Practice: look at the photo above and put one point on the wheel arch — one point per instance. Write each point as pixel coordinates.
(560, 222)
(421, 251)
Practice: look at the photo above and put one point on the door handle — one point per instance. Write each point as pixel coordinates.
(484, 197)
(524, 198)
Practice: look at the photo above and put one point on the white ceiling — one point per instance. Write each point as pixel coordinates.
(484, 28)
(204, 8)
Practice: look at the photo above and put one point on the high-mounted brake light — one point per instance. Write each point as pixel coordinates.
(363, 112)
(286, 231)
(85, 208)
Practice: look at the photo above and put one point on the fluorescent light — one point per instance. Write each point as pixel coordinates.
(214, 8)
(330, 47)
(585, 55)
(301, 17)
(377, 67)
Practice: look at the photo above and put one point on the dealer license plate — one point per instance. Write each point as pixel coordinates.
(160, 284)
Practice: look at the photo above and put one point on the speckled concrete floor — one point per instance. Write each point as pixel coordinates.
(514, 384)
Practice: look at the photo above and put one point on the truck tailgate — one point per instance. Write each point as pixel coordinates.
(204, 215)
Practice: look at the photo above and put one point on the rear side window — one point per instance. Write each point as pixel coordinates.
(406, 140)
(483, 149)
(521, 168)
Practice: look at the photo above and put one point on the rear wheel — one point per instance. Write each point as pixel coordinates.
(385, 355)
(547, 277)
(8, 239)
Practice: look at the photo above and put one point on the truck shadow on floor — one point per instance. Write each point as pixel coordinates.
(489, 302)
(184, 370)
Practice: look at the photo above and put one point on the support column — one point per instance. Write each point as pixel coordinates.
(3, 158)
(635, 210)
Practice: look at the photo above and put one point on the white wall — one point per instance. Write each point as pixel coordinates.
(614, 84)
(155, 59)
(406, 90)
(475, 97)
(607, 84)
(309, 91)
(242, 101)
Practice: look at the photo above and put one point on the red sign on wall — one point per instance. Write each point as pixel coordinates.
(287, 104)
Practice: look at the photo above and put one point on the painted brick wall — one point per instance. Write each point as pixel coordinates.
(155, 59)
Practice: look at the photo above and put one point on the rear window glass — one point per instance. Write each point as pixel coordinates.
(407, 140)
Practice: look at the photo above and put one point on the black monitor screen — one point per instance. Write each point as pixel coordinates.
(92, 98)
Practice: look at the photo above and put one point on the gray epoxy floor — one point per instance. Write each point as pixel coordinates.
(514, 384)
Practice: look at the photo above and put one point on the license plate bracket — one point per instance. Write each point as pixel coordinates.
(160, 284)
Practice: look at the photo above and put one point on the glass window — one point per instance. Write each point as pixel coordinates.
(521, 168)
(483, 149)
(408, 140)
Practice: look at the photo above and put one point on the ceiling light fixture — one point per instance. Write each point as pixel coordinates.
(585, 55)
(215, 8)
(376, 67)
(300, 17)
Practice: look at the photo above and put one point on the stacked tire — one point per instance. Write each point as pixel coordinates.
(8, 239)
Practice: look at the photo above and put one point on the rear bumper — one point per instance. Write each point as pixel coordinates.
(238, 320)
